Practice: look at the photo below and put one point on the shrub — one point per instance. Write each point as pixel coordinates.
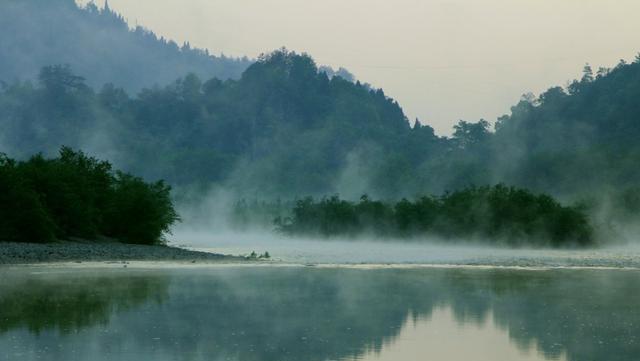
(139, 212)
(74, 195)
(22, 216)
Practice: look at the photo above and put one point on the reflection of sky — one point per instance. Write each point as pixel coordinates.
(443, 60)
(441, 337)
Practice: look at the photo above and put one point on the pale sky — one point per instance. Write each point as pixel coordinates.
(443, 60)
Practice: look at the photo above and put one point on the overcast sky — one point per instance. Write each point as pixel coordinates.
(443, 60)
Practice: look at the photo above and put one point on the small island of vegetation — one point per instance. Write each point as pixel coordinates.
(497, 214)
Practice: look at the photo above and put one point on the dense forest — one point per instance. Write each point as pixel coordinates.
(284, 128)
(98, 43)
(575, 139)
(287, 128)
(77, 196)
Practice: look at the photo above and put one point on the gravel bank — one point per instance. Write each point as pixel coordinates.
(30, 253)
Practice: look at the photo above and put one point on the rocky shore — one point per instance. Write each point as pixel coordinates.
(31, 253)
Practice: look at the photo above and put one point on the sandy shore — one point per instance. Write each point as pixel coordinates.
(30, 253)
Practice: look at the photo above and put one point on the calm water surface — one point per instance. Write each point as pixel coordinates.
(318, 314)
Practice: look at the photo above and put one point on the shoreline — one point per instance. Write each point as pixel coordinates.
(16, 254)
(99, 254)
(160, 264)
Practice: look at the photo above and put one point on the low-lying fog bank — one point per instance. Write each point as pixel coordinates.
(310, 251)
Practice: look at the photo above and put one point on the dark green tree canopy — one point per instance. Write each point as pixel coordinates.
(74, 195)
(286, 128)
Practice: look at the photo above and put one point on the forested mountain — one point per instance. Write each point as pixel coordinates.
(283, 128)
(574, 140)
(286, 129)
(98, 44)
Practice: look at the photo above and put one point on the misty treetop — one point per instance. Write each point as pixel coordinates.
(285, 127)
(575, 140)
(496, 214)
(74, 195)
(289, 128)
(99, 44)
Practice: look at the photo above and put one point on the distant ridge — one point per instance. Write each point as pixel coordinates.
(99, 45)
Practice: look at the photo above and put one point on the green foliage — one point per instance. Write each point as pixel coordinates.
(574, 141)
(286, 129)
(495, 214)
(22, 216)
(73, 188)
(139, 212)
(74, 195)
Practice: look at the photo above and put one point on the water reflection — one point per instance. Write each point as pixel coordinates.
(320, 314)
(68, 303)
(442, 338)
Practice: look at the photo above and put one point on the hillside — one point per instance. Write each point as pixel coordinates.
(286, 129)
(99, 45)
(283, 128)
(576, 140)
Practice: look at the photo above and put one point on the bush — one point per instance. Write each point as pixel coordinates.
(139, 212)
(74, 195)
(22, 216)
(73, 188)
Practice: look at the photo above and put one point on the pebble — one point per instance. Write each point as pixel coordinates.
(78, 252)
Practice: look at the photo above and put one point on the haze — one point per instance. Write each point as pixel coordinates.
(443, 60)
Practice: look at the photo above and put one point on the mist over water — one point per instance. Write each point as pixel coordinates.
(208, 226)
(398, 252)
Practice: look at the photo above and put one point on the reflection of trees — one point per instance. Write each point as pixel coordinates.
(281, 315)
(332, 314)
(592, 315)
(589, 315)
(69, 303)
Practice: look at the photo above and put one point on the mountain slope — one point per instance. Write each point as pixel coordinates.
(283, 128)
(576, 140)
(99, 45)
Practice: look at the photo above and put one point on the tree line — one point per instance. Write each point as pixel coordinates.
(286, 128)
(497, 214)
(77, 196)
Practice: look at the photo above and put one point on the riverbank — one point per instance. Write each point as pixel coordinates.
(68, 251)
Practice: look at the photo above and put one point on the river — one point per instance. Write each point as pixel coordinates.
(283, 312)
